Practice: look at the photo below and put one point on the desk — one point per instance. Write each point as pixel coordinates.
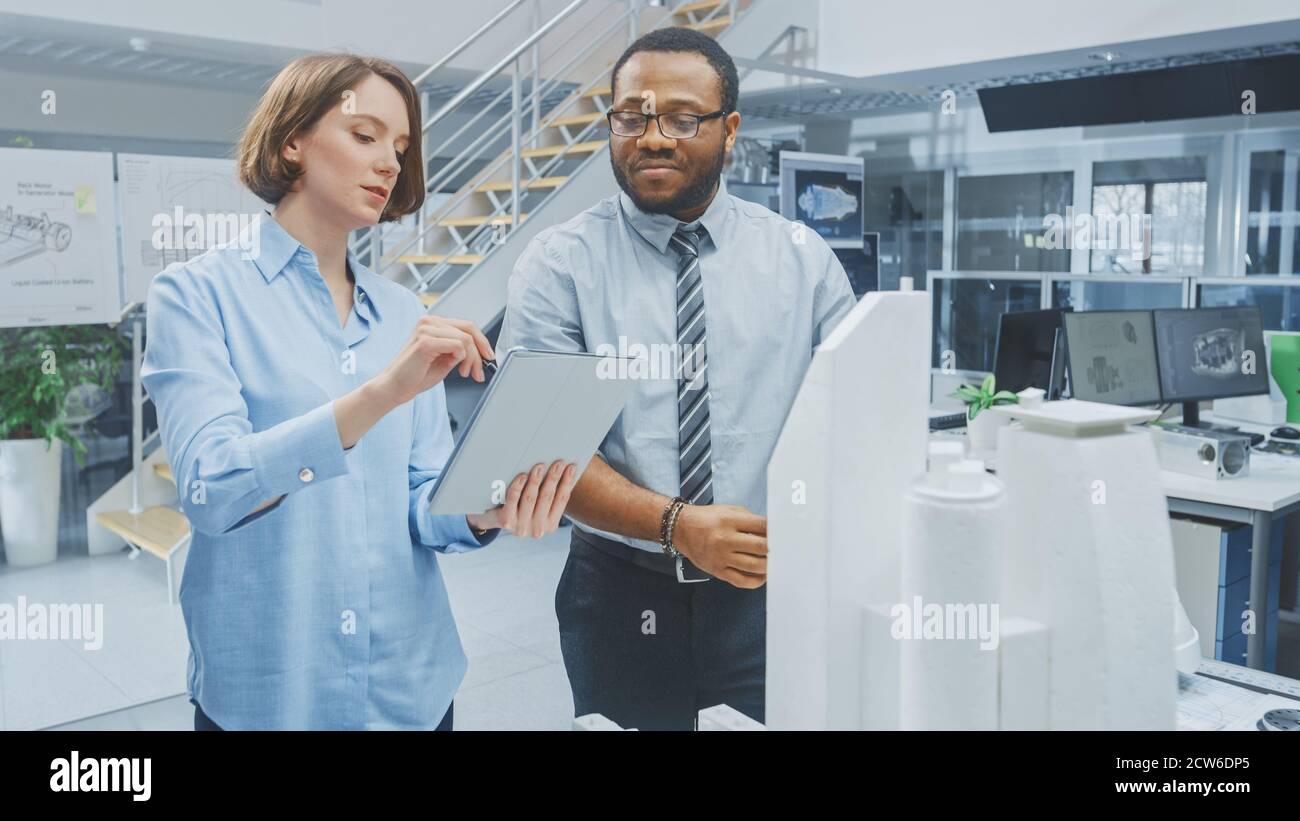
(1257, 500)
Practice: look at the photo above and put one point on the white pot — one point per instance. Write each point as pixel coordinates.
(29, 500)
(982, 431)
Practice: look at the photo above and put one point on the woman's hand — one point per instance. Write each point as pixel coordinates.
(435, 347)
(534, 503)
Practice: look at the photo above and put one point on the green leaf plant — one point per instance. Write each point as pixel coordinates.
(39, 367)
(983, 397)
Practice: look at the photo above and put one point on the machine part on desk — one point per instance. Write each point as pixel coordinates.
(23, 236)
(1207, 454)
(1280, 720)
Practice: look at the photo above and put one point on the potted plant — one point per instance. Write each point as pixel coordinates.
(982, 428)
(39, 367)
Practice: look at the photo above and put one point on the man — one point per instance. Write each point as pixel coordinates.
(661, 605)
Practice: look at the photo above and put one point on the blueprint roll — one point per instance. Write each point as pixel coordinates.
(947, 618)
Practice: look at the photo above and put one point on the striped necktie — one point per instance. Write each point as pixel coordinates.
(693, 441)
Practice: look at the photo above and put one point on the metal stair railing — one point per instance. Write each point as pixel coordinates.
(460, 251)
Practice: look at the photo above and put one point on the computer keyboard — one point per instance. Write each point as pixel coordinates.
(948, 421)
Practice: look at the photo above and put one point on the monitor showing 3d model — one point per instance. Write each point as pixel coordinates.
(1112, 357)
(824, 192)
(1210, 353)
(1030, 352)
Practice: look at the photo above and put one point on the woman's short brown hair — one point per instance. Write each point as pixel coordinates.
(296, 100)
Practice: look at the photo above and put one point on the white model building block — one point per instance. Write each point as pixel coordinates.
(954, 520)
(724, 717)
(1022, 675)
(854, 437)
(882, 669)
(594, 721)
(1089, 557)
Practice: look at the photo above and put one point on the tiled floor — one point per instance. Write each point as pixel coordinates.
(142, 658)
(503, 598)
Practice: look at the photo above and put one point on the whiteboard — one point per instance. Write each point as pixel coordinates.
(161, 198)
(58, 238)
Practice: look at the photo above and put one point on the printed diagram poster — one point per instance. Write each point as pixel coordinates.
(58, 238)
(175, 208)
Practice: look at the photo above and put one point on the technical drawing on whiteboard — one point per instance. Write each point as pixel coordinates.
(202, 192)
(24, 235)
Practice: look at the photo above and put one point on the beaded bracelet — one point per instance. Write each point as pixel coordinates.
(666, 524)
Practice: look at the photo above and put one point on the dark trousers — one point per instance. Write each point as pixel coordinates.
(202, 722)
(649, 652)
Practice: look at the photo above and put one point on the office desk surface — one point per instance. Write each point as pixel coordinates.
(1272, 484)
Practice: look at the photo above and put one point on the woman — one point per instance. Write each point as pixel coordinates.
(301, 406)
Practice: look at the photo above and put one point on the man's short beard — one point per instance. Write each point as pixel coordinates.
(692, 195)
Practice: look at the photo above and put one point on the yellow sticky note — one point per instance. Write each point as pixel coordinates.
(85, 196)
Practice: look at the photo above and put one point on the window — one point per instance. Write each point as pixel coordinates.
(1001, 223)
(1271, 223)
(1164, 200)
(907, 209)
(966, 313)
(1279, 305)
(1082, 295)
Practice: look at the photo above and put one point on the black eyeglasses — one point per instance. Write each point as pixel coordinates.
(673, 126)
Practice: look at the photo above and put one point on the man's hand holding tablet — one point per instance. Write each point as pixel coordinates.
(534, 502)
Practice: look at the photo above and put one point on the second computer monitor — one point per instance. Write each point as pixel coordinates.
(1027, 355)
(1112, 357)
(1211, 353)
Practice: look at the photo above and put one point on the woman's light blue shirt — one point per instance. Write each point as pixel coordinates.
(327, 609)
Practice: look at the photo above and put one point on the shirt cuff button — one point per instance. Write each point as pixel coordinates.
(306, 475)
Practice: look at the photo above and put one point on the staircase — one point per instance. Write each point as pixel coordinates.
(532, 157)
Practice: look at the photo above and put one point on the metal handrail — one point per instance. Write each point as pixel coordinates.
(449, 56)
(472, 152)
(373, 235)
(482, 80)
(497, 129)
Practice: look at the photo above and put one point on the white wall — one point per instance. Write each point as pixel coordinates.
(863, 39)
(115, 107)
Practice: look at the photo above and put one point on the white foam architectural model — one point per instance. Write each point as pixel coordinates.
(906, 597)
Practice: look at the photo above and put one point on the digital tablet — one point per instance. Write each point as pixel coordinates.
(539, 407)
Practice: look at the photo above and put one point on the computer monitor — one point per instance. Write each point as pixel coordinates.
(1112, 357)
(1030, 352)
(824, 192)
(1210, 353)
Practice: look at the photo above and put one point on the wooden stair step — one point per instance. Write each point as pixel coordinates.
(552, 150)
(470, 222)
(717, 23)
(158, 530)
(429, 297)
(436, 259)
(602, 91)
(703, 5)
(540, 182)
(577, 119)
(164, 469)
